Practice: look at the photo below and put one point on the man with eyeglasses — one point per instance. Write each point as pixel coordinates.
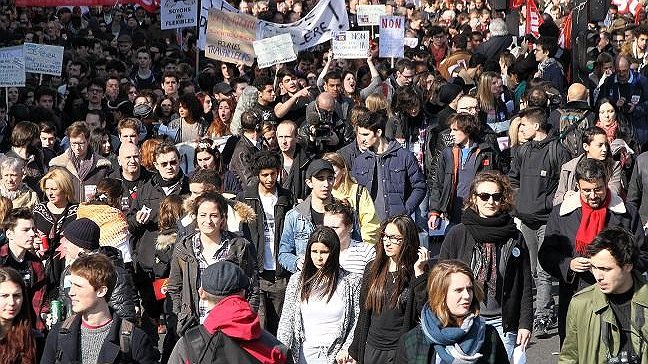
(143, 219)
(574, 224)
(535, 171)
(403, 76)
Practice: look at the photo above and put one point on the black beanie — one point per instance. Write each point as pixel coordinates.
(83, 233)
(449, 92)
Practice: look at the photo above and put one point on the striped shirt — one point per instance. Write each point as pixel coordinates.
(356, 256)
(203, 263)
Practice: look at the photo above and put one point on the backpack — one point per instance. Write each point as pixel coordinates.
(125, 339)
(571, 126)
(218, 348)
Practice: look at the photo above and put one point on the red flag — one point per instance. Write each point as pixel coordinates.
(149, 5)
(533, 18)
(565, 38)
(516, 3)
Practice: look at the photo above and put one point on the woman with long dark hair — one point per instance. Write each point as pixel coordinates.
(489, 242)
(321, 305)
(393, 292)
(190, 126)
(452, 329)
(17, 340)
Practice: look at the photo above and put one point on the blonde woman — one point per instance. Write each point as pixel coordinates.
(346, 188)
(378, 102)
(493, 110)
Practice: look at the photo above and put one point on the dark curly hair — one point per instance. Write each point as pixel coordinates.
(507, 201)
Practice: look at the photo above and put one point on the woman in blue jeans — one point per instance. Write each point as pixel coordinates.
(489, 242)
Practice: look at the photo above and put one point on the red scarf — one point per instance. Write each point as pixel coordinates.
(610, 130)
(591, 223)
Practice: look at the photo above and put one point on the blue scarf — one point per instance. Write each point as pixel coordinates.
(454, 345)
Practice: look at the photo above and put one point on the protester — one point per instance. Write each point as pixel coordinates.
(19, 340)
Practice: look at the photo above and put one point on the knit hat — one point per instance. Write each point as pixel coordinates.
(223, 279)
(83, 233)
(448, 92)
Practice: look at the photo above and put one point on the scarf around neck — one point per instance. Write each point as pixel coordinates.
(454, 345)
(610, 130)
(83, 166)
(159, 181)
(591, 223)
(495, 229)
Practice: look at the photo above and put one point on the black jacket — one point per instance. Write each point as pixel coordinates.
(254, 230)
(145, 175)
(514, 268)
(636, 195)
(142, 350)
(241, 163)
(349, 153)
(295, 182)
(559, 246)
(535, 172)
(416, 297)
(144, 238)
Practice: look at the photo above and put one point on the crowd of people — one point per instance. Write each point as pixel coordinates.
(158, 206)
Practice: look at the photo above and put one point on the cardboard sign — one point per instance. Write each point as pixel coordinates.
(350, 45)
(370, 14)
(230, 36)
(12, 66)
(274, 50)
(392, 36)
(42, 58)
(178, 14)
(312, 29)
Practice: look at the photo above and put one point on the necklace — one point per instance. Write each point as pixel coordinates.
(393, 276)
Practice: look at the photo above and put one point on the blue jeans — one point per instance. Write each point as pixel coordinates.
(544, 300)
(508, 338)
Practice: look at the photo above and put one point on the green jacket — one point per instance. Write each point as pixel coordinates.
(589, 312)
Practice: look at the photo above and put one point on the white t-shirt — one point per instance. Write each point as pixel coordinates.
(321, 319)
(269, 202)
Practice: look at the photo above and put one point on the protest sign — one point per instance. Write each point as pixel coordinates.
(392, 36)
(350, 45)
(370, 14)
(178, 14)
(312, 29)
(42, 58)
(12, 66)
(274, 50)
(230, 36)
(411, 42)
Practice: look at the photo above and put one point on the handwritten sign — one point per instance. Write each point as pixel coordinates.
(178, 14)
(274, 50)
(12, 66)
(350, 45)
(42, 58)
(230, 36)
(370, 14)
(392, 36)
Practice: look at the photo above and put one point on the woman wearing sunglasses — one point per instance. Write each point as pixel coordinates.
(457, 167)
(393, 292)
(489, 242)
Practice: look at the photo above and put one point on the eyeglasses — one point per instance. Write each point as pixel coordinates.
(165, 164)
(497, 197)
(392, 239)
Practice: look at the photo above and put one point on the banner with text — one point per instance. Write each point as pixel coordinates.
(42, 58)
(12, 66)
(392, 36)
(178, 14)
(230, 36)
(350, 45)
(314, 28)
(370, 14)
(274, 50)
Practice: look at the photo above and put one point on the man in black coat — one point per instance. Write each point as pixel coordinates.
(573, 225)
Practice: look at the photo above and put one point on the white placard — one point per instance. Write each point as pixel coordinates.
(12, 67)
(42, 58)
(178, 14)
(274, 50)
(312, 29)
(370, 14)
(411, 42)
(230, 36)
(350, 44)
(392, 36)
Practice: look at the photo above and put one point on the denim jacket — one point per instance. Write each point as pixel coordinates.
(298, 225)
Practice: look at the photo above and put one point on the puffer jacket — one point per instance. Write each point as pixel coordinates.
(100, 170)
(123, 297)
(589, 313)
(184, 283)
(403, 182)
(298, 225)
(290, 331)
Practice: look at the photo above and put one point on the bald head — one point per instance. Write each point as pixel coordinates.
(129, 158)
(577, 92)
(325, 101)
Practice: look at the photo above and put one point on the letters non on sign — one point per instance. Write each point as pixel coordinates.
(391, 23)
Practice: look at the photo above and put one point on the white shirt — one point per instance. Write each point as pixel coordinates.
(269, 202)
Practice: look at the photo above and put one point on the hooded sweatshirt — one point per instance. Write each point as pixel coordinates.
(234, 317)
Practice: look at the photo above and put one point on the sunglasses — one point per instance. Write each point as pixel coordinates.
(497, 197)
(172, 163)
